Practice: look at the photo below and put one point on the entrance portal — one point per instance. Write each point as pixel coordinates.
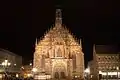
(59, 75)
(59, 69)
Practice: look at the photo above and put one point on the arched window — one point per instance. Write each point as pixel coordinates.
(59, 53)
(48, 55)
(74, 61)
(43, 61)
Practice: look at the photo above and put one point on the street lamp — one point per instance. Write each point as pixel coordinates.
(6, 64)
(30, 64)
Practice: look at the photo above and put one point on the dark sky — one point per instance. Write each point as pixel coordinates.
(96, 21)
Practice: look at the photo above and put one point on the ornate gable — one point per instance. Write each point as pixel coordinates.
(59, 35)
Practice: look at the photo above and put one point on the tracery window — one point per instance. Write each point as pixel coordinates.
(43, 61)
(74, 62)
(110, 67)
(59, 53)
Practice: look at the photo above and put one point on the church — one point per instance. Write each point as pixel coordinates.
(58, 53)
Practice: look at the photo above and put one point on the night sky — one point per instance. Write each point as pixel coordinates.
(95, 21)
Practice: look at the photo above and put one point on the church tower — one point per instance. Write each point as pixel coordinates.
(58, 53)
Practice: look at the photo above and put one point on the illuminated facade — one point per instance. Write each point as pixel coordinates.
(105, 65)
(58, 53)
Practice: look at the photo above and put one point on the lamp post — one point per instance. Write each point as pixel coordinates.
(117, 72)
(5, 65)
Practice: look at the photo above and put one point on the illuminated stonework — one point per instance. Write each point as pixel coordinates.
(58, 53)
(105, 63)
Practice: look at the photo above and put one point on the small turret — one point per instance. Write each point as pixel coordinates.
(36, 42)
(81, 43)
(58, 20)
(94, 50)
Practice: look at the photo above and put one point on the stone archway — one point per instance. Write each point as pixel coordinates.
(59, 71)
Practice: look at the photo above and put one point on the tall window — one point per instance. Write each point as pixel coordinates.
(59, 53)
(43, 61)
(74, 62)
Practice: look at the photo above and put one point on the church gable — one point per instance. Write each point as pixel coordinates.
(58, 52)
(59, 35)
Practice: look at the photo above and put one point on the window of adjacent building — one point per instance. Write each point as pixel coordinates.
(114, 68)
(112, 57)
(106, 58)
(98, 58)
(106, 67)
(110, 67)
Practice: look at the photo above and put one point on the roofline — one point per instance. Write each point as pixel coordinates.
(9, 52)
(108, 54)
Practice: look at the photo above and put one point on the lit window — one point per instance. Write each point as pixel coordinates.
(110, 67)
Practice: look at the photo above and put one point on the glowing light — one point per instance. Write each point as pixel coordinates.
(112, 73)
(117, 68)
(29, 75)
(107, 73)
(22, 67)
(87, 70)
(42, 77)
(14, 64)
(0, 76)
(6, 61)
(34, 70)
(3, 63)
(30, 64)
(104, 73)
(91, 76)
(9, 64)
(17, 75)
(100, 72)
(75, 76)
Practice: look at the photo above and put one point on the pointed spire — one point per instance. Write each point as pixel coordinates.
(36, 42)
(80, 43)
(94, 50)
(58, 20)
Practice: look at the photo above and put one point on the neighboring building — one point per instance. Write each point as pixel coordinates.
(9, 62)
(105, 63)
(58, 53)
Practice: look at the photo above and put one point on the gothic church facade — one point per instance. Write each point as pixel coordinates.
(59, 54)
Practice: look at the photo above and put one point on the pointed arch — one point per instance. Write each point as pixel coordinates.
(74, 61)
(59, 53)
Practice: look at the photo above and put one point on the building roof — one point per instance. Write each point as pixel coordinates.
(8, 52)
(106, 49)
(60, 33)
